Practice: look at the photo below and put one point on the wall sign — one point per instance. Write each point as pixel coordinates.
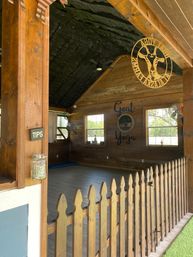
(121, 138)
(153, 53)
(122, 109)
(125, 122)
(36, 134)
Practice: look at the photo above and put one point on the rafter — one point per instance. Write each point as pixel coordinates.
(141, 16)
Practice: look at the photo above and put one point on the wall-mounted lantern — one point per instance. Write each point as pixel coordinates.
(38, 166)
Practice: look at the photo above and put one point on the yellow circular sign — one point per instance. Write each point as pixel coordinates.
(151, 62)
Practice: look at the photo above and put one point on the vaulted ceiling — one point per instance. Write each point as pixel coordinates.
(83, 36)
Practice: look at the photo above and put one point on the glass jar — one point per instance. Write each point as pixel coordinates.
(38, 166)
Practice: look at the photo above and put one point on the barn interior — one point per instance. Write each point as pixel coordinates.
(92, 91)
(91, 73)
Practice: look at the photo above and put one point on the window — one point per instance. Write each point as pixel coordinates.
(95, 129)
(62, 124)
(162, 127)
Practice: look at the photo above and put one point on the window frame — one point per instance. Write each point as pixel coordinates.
(86, 129)
(147, 128)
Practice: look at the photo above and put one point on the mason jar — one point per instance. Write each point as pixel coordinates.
(38, 166)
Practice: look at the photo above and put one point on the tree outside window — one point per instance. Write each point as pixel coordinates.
(95, 129)
(162, 127)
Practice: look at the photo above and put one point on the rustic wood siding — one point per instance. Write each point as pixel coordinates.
(120, 84)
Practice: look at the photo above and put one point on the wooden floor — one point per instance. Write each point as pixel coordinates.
(68, 179)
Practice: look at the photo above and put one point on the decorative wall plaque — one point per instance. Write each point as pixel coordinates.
(158, 63)
(125, 122)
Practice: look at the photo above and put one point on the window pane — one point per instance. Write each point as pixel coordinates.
(95, 136)
(95, 121)
(62, 121)
(162, 126)
(95, 128)
(59, 137)
(163, 136)
(162, 117)
(62, 133)
(97, 133)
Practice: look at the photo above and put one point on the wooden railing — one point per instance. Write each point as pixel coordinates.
(129, 223)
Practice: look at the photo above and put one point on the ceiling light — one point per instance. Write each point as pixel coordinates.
(99, 69)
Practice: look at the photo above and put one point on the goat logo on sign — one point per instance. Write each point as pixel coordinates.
(158, 66)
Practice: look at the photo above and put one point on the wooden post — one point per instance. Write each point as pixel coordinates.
(113, 224)
(61, 228)
(24, 95)
(122, 218)
(142, 223)
(130, 215)
(13, 81)
(78, 225)
(91, 238)
(188, 130)
(103, 222)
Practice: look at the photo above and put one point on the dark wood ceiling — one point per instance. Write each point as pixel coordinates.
(84, 35)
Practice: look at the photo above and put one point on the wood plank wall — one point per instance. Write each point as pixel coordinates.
(58, 152)
(120, 84)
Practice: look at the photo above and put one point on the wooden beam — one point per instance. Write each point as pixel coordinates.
(12, 104)
(45, 106)
(42, 8)
(188, 130)
(24, 96)
(22, 2)
(20, 149)
(141, 16)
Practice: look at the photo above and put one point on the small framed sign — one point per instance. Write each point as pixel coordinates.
(36, 134)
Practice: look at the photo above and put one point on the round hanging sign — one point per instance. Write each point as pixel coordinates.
(125, 123)
(158, 65)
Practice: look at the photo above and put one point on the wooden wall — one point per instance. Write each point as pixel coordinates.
(58, 152)
(120, 84)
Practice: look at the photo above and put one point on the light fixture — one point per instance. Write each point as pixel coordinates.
(99, 69)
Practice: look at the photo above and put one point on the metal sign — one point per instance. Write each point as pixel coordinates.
(125, 123)
(36, 134)
(158, 66)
